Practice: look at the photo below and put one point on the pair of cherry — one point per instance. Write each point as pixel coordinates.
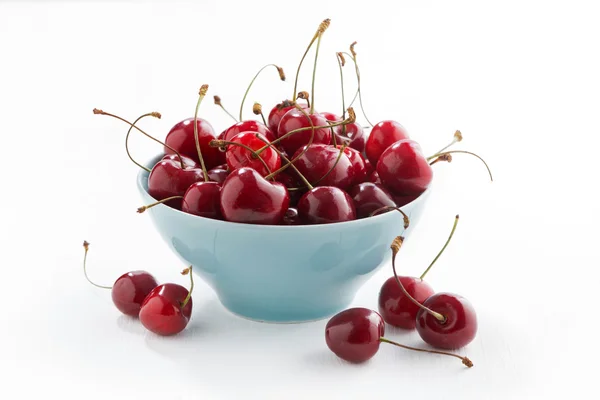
(445, 321)
(164, 309)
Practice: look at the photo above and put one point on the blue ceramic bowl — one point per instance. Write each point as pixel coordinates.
(281, 273)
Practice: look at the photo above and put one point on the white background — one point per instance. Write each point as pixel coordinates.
(520, 79)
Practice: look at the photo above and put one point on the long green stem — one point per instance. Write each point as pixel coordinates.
(443, 248)
(219, 103)
(255, 155)
(322, 27)
(201, 94)
(312, 89)
(358, 90)
(288, 162)
(151, 114)
(187, 271)
(144, 208)
(465, 360)
(341, 61)
(281, 76)
(463, 152)
(86, 247)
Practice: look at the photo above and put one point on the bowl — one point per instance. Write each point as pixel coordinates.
(278, 273)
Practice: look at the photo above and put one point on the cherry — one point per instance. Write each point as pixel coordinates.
(168, 179)
(241, 153)
(459, 326)
(368, 167)
(167, 308)
(325, 165)
(382, 136)
(358, 164)
(281, 77)
(247, 197)
(181, 138)
(187, 162)
(374, 178)
(278, 112)
(354, 134)
(245, 126)
(291, 182)
(369, 197)
(403, 169)
(218, 174)
(129, 290)
(395, 308)
(326, 205)
(306, 128)
(203, 199)
(355, 334)
(291, 217)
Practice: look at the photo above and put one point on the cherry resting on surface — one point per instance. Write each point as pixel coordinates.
(129, 290)
(167, 309)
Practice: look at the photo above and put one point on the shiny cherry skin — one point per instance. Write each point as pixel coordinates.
(460, 326)
(167, 179)
(295, 119)
(353, 334)
(290, 181)
(403, 169)
(402, 200)
(238, 157)
(130, 290)
(368, 197)
(374, 178)
(188, 162)
(247, 197)
(291, 217)
(318, 165)
(161, 311)
(326, 205)
(355, 133)
(203, 199)
(181, 138)
(358, 165)
(368, 167)
(278, 112)
(218, 174)
(248, 126)
(395, 308)
(382, 136)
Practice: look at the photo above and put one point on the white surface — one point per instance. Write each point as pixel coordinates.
(520, 79)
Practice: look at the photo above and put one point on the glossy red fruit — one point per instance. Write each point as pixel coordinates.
(248, 126)
(161, 311)
(290, 181)
(291, 217)
(318, 165)
(395, 308)
(353, 334)
(167, 179)
(218, 174)
(369, 197)
(403, 169)
(358, 165)
(130, 290)
(295, 119)
(181, 138)
(279, 111)
(187, 162)
(203, 199)
(368, 167)
(382, 136)
(460, 326)
(374, 178)
(247, 197)
(356, 134)
(238, 157)
(326, 205)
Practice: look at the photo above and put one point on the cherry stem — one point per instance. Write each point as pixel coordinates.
(442, 158)
(144, 208)
(465, 360)
(201, 94)
(395, 246)
(443, 248)
(463, 152)
(255, 155)
(101, 112)
(305, 96)
(312, 89)
(188, 271)
(457, 138)
(151, 114)
(322, 27)
(257, 110)
(387, 208)
(288, 163)
(86, 246)
(281, 76)
(220, 104)
(341, 62)
(358, 90)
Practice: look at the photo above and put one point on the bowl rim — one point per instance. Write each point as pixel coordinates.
(143, 174)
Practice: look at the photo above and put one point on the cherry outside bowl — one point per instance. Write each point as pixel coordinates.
(281, 273)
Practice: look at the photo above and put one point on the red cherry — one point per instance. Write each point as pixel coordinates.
(358, 164)
(326, 205)
(354, 334)
(369, 197)
(291, 217)
(129, 290)
(247, 197)
(168, 179)
(368, 167)
(187, 162)
(290, 181)
(395, 308)
(382, 136)
(246, 126)
(403, 169)
(295, 119)
(278, 112)
(181, 138)
(374, 178)
(162, 313)
(218, 174)
(355, 133)
(238, 157)
(203, 199)
(459, 327)
(319, 167)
